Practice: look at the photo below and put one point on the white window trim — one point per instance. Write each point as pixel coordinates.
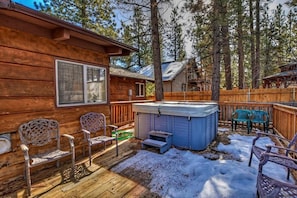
(139, 86)
(85, 66)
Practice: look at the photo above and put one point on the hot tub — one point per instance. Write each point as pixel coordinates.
(193, 124)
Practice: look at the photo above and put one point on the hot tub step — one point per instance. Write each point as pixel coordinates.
(159, 139)
(162, 146)
(154, 143)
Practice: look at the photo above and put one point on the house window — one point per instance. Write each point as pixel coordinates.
(79, 84)
(139, 90)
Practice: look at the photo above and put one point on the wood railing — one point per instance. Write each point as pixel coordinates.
(121, 112)
(284, 120)
(282, 117)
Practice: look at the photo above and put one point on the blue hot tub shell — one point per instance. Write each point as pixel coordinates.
(193, 125)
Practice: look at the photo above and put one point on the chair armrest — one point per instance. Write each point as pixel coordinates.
(70, 138)
(113, 126)
(86, 134)
(86, 131)
(260, 134)
(288, 150)
(25, 149)
(278, 159)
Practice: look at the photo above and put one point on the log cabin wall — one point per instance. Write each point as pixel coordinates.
(27, 91)
(120, 86)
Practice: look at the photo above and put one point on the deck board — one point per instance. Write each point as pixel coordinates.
(98, 181)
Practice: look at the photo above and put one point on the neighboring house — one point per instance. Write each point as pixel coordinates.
(287, 77)
(48, 69)
(126, 85)
(180, 76)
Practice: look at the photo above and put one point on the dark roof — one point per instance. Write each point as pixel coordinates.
(282, 75)
(11, 12)
(119, 71)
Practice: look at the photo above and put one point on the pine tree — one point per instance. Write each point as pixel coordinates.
(94, 15)
(240, 51)
(226, 44)
(174, 44)
(137, 33)
(215, 86)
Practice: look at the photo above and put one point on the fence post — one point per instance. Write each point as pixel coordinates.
(249, 95)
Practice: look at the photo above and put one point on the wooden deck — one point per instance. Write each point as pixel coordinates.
(91, 181)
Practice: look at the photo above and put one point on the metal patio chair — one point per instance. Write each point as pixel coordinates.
(92, 125)
(257, 150)
(42, 133)
(267, 185)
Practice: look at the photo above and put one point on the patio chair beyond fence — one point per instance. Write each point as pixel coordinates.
(268, 186)
(92, 124)
(39, 133)
(241, 115)
(257, 150)
(260, 117)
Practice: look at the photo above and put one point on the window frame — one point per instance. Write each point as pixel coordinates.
(85, 84)
(139, 85)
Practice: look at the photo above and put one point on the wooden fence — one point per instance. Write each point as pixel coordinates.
(282, 117)
(238, 95)
(226, 109)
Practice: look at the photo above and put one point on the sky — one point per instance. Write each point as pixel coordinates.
(28, 3)
(182, 173)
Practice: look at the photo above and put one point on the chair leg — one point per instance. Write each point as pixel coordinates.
(90, 154)
(28, 177)
(249, 126)
(232, 125)
(251, 156)
(288, 174)
(73, 164)
(117, 149)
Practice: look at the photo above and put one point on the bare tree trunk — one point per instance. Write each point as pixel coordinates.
(226, 46)
(253, 61)
(240, 45)
(257, 65)
(215, 86)
(156, 52)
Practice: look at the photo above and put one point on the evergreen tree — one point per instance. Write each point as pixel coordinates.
(153, 8)
(200, 35)
(215, 86)
(240, 52)
(226, 44)
(94, 15)
(174, 43)
(137, 33)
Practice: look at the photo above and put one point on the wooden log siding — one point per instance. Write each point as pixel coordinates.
(27, 91)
